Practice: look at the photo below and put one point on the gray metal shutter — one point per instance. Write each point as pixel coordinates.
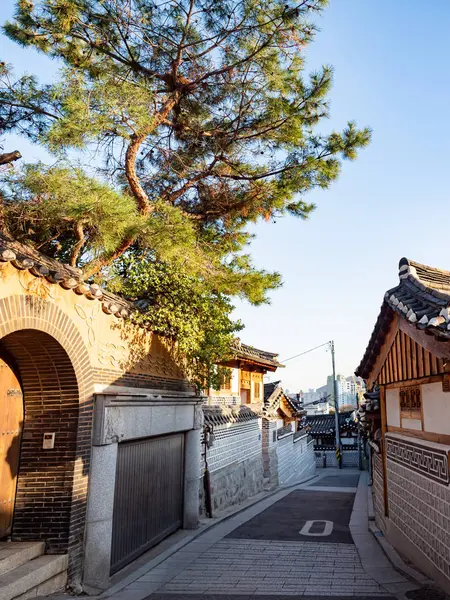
(148, 499)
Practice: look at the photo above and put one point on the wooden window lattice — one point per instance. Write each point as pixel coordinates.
(410, 401)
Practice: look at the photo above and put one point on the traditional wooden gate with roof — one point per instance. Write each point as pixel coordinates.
(96, 388)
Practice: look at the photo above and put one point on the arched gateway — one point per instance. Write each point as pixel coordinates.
(90, 404)
(44, 360)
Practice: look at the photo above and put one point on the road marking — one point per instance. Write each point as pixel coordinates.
(327, 528)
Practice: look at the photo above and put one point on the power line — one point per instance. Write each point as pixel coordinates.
(306, 352)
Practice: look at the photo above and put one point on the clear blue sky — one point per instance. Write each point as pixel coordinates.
(391, 73)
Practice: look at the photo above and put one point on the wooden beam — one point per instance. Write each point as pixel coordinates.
(405, 370)
(438, 348)
(420, 364)
(408, 356)
(381, 358)
(434, 366)
(398, 350)
(437, 438)
(414, 372)
(394, 359)
(418, 381)
(426, 362)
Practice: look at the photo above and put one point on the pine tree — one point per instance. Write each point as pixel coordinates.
(202, 121)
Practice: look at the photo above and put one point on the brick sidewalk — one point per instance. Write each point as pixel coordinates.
(249, 555)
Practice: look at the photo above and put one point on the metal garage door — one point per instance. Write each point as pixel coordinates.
(148, 498)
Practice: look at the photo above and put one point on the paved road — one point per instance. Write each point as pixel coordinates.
(296, 544)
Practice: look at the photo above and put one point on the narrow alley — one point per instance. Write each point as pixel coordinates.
(311, 540)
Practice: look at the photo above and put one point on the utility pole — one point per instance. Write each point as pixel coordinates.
(336, 407)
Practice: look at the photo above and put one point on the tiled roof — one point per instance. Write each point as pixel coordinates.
(255, 355)
(324, 425)
(222, 415)
(269, 389)
(25, 258)
(421, 297)
(273, 394)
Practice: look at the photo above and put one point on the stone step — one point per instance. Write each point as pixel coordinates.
(14, 554)
(38, 577)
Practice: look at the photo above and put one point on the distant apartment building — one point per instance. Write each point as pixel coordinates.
(315, 402)
(349, 389)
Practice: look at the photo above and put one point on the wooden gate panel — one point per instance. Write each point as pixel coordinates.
(148, 500)
(11, 422)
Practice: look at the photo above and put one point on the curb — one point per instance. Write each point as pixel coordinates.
(395, 559)
(182, 543)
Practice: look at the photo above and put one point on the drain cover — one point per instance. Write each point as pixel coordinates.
(427, 593)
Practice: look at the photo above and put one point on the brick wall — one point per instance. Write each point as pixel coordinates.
(269, 451)
(378, 490)
(295, 459)
(57, 385)
(233, 443)
(138, 380)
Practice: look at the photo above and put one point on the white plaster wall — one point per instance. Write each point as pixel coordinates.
(415, 424)
(436, 408)
(235, 381)
(393, 407)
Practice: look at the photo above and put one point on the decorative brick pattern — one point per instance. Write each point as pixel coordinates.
(223, 401)
(420, 508)
(378, 490)
(295, 460)
(57, 383)
(138, 380)
(431, 462)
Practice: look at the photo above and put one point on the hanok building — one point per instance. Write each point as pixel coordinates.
(245, 385)
(408, 362)
(233, 421)
(281, 407)
(96, 419)
(322, 429)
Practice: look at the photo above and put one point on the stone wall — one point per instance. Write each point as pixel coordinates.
(234, 483)
(235, 464)
(269, 452)
(247, 456)
(295, 459)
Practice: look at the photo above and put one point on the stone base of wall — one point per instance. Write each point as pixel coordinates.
(271, 467)
(234, 484)
(403, 545)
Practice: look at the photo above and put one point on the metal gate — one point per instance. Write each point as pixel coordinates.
(148, 497)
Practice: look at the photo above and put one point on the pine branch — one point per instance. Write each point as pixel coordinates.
(9, 157)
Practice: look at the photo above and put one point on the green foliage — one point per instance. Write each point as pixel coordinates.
(184, 309)
(202, 121)
(41, 203)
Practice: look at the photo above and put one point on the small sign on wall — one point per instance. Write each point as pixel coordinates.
(48, 442)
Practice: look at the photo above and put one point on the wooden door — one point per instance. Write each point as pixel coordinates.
(11, 421)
